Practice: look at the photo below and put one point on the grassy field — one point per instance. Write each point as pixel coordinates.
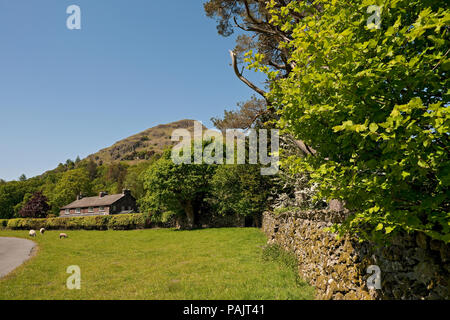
(153, 264)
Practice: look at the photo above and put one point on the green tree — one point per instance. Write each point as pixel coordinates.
(71, 184)
(178, 188)
(239, 190)
(373, 102)
(12, 193)
(134, 178)
(70, 164)
(116, 174)
(91, 167)
(18, 207)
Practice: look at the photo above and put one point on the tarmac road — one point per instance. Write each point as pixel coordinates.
(14, 252)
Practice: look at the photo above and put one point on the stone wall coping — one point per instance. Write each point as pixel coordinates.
(313, 215)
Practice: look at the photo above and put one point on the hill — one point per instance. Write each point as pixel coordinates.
(142, 146)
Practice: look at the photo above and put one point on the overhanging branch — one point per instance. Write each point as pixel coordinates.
(242, 78)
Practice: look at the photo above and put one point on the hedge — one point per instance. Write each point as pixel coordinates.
(114, 222)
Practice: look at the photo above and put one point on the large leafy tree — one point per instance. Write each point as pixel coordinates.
(239, 189)
(12, 193)
(134, 179)
(36, 207)
(373, 103)
(176, 188)
(71, 184)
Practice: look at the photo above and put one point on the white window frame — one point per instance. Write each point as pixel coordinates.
(67, 211)
(78, 210)
(101, 209)
(91, 210)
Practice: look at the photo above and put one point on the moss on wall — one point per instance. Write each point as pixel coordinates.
(412, 267)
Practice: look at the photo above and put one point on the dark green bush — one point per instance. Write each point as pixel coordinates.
(129, 222)
(95, 223)
(26, 224)
(3, 223)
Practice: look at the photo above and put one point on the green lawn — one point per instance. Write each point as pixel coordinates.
(153, 264)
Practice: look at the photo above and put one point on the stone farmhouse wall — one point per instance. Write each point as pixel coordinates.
(412, 267)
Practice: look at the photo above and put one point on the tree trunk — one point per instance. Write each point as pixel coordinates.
(190, 214)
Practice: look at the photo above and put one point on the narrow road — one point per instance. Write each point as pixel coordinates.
(14, 252)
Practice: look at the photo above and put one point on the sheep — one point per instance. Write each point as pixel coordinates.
(42, 231)
(63, 235)
(32, 233)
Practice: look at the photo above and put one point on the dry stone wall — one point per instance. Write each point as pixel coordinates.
(412, 267)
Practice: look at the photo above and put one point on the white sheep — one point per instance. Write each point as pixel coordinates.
(63, 235)
(32, 233)
(42, 231)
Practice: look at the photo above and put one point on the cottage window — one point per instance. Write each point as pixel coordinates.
(78, 210)
(91, 209)
(67, 211)
(102, 209)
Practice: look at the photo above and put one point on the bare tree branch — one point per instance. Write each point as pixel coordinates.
(242, 78)
(264, 31)
(440, 60)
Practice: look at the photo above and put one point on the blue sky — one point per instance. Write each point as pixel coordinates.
(133, 65)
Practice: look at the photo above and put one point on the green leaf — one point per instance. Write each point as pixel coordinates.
(405, 174)
(389, 229)
(373, 127)
(422, 164)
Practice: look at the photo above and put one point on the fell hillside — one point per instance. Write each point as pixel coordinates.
(144, 145)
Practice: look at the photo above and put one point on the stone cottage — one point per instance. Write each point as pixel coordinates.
(103, 204)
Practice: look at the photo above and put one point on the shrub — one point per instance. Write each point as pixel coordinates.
(26, 224)
(128, 222)
(56, 223)
(117, 222)
(95, 223)
(3, 223)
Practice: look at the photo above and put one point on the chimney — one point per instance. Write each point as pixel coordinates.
(102, 194)
(126, 192)
(79, 197)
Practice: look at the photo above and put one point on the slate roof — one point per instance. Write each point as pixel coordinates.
(95, 201)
